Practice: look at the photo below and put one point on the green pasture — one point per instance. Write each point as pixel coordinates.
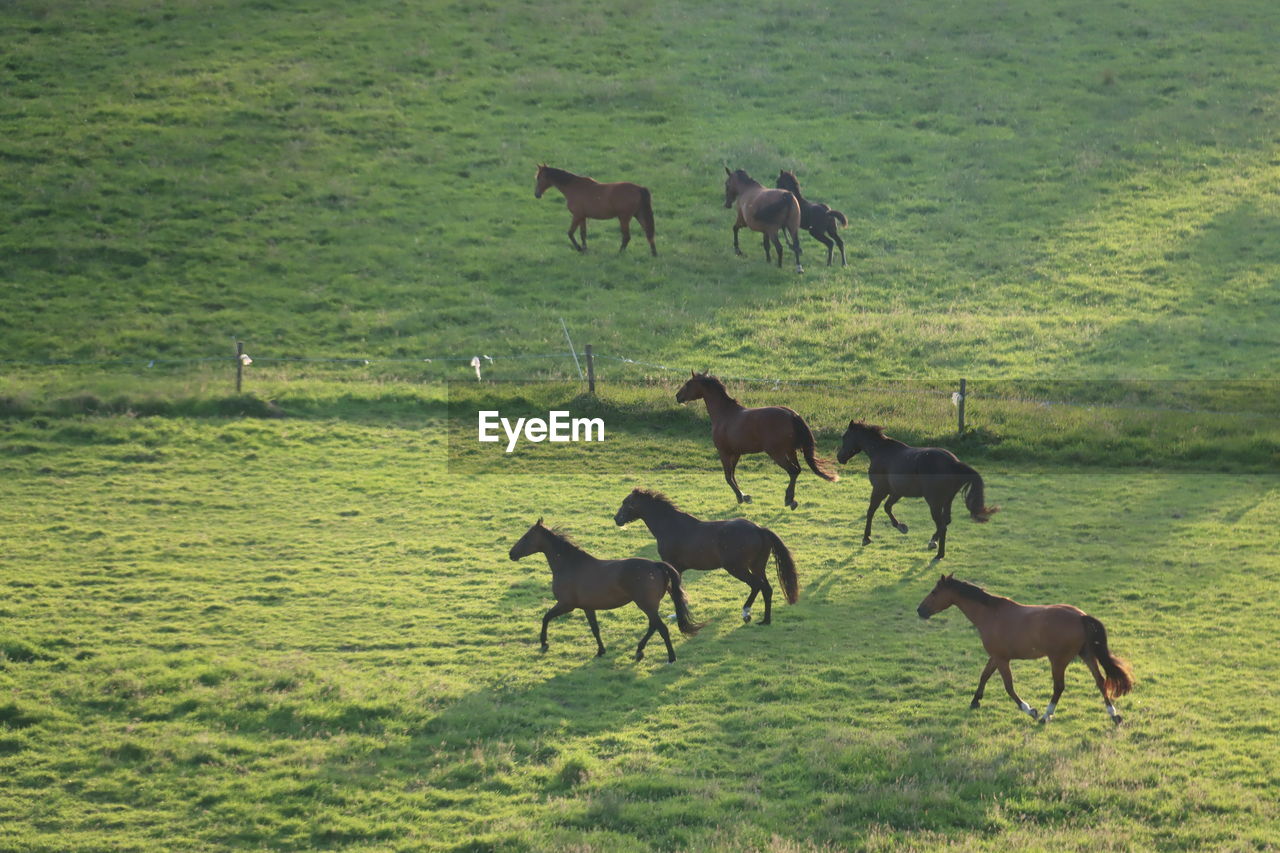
(285, 619)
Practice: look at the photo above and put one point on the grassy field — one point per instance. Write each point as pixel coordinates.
(285, 618)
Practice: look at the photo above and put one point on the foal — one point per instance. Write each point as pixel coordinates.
(739, 546)
(1013, 631)
(579, 580)
(815, 217)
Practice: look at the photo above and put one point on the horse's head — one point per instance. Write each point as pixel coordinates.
(692, 389)
(854, 440)
(787, 181)
(543, 181)
(734, 184)
(630, 509)
(942, 597)
(533, 541)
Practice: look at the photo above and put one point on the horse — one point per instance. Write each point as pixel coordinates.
(579, 580)
(898, 470)
(588, 199)
(735, 429)
(739, 546)
(817, 218)
(1013, 631)
(764, 210)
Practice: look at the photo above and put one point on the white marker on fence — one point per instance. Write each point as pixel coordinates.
(475, 362)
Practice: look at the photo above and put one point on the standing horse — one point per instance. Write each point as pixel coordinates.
(588, 199)
(898, 470)
(739, 546)
(735, 429)
(1013, 631)
(815, 217)
(580, 580)
(764, 210)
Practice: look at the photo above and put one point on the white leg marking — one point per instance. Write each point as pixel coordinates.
(746, 614)
(1111, 709)
(1048, 712)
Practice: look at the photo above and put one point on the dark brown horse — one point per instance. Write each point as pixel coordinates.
(1013, 631)
(739, 546)
(735, 429)
(588, 199)
(580, 580)
(898, 470)
(764, 210)
(815, 217)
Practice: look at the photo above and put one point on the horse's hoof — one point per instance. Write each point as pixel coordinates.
(639, 655)
(1116, 719)
(671, 660)
(600, 653)
(746, 614)
(793, 504)
(745, 499)
(1046, 718)
(768, 620)
(902, 528)
(545, 647)
(1035, 715)
(866, 540)
(974, 705)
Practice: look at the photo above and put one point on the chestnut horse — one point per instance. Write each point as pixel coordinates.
(588, 199)
(764, 210)
(580, 580)
(1013, 631)
(735, 429)
(739, 546)
(815, 217)
(898, 470)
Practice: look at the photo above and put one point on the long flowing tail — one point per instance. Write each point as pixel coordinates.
(786, 566)
(974, 497)
(1119, 677)
(646, 212)
(804, 440)
(683, 619)
(839, 217)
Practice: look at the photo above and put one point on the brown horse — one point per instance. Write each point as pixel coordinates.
(588, 199)
(735, 429)
(898, 470)
(739, 546)
(764, 210)
(580, 580)
(1013, 631)
(818, 219)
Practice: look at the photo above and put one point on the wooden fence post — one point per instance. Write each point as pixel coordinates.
(960, 405)
(239, 365)
(591, 372)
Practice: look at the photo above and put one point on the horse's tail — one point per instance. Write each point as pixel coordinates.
(973, 499)
(839, 217)
(646, 212)
(804, 440)
(1119, 677)
(678, 598)
(785, 565)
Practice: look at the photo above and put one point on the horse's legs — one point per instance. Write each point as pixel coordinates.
(878, 493)
(1058, 665)
(624, 222)
(559, 609)
(729, 461)
(982, 683)
(768, 257)
(777, 244)
(1092, 663)
(788, 463)
(578, 221)
(757, 581)
(595, 629)
(940, 512)
(655, 624)
(1007, 675)
(816, 231)
(795, 247)
(888, 508)
(736, 229)
(836, 237)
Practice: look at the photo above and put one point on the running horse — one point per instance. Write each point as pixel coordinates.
(735, 429)
(898, 470)
(764, 210)
(579, 580)
(1013, 631)
(822, 222)
(588, 199)
(738, 546)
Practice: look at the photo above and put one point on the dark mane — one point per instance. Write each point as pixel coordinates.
(741, 174)
(559, 176)
(565, 541)
(714, 383)
(656, 497)
(973, 592)
(877, 431)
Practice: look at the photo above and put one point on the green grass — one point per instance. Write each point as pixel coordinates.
(285, 619)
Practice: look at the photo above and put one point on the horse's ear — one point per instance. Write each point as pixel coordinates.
(726, 171)
(942, 579)
(539, 524)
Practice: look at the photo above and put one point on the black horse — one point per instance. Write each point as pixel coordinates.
(580, 580)
(898, 470)
(815, 217)
(739, 546)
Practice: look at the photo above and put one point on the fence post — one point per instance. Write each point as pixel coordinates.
(239, 364)
(960, 406)
(591, 372)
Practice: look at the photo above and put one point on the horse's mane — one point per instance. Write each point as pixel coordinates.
(714, 383)
(874, 429)
(559, 176)
(741, 174)
(973, 592)
(657, 497)
(564, 539)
